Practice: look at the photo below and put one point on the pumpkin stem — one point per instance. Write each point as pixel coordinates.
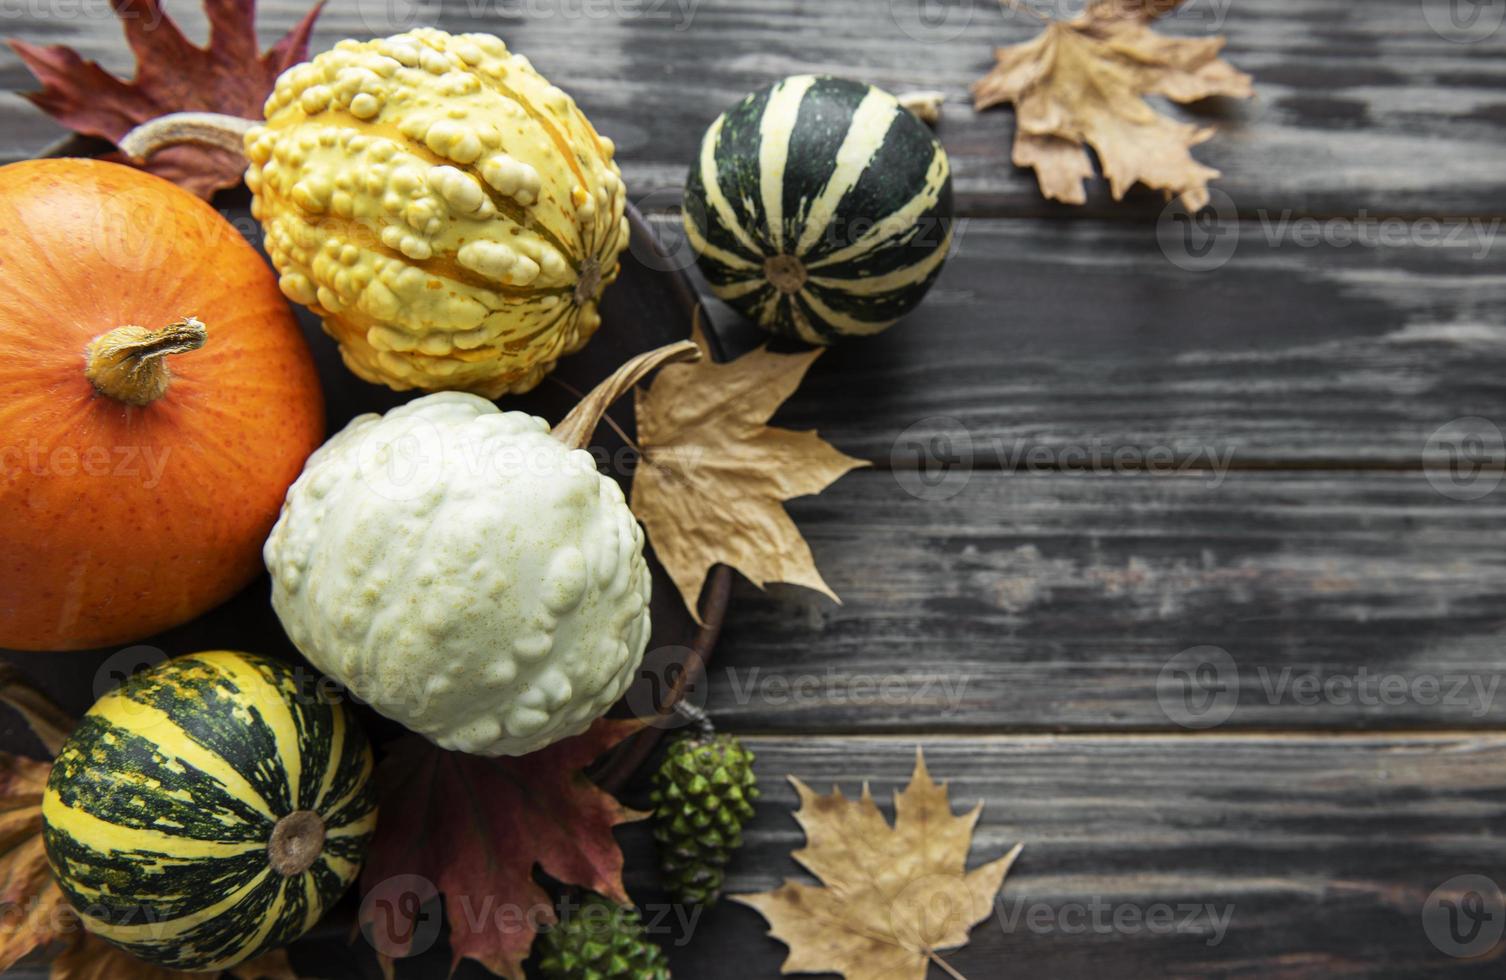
(128, 364)
(297, 841)
(203, 128)
(786, 272)
(576, 428)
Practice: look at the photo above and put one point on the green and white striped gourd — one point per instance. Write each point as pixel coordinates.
(820, 208)
(209, 810)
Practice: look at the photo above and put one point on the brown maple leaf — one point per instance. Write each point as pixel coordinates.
(35, 913)
(713, 475)
(894, 896)
(231, 76)
(1082, 82)
(475, 827)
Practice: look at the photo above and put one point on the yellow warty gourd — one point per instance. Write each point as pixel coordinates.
(451, 215)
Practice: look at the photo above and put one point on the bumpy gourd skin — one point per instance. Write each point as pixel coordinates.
(464, 572)
(450, 214)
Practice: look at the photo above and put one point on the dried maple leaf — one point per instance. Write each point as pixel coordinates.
(893, 895)
(35, 912)
(713, 476)
(172, 75)
(476, 826)
(1082, 82)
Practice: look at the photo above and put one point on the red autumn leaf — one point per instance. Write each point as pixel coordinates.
(172, 75)
(475, 827)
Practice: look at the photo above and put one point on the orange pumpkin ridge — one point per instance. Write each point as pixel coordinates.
(122, 519)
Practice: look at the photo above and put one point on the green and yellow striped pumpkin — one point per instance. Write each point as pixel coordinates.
(208, 810)
(820, 208)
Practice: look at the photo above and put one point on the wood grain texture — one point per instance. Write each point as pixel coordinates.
(1043, 336)
(1059, 601)
(1320, 851)
(1358, 105)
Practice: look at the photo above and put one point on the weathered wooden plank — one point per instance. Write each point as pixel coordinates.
(1317, 854)
(1043, 336)
(1359, 105)
(1088, 601)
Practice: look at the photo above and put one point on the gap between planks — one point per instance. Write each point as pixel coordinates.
(1146, 736)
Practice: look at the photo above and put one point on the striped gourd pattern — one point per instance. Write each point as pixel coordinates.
(161, 806)
(820, 207)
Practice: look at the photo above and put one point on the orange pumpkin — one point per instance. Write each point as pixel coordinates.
(156, 400)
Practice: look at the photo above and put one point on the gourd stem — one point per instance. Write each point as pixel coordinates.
(128, 363)
(575, 429)
(926, 105)
(297, 841)
(203, 128)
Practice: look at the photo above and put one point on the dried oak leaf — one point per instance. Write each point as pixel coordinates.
(36, 914)
(1081, 82)
(475, 827)
(232, 76)
(713, 476)
(894, 896)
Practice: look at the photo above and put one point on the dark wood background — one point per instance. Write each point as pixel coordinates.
(1027, 626)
